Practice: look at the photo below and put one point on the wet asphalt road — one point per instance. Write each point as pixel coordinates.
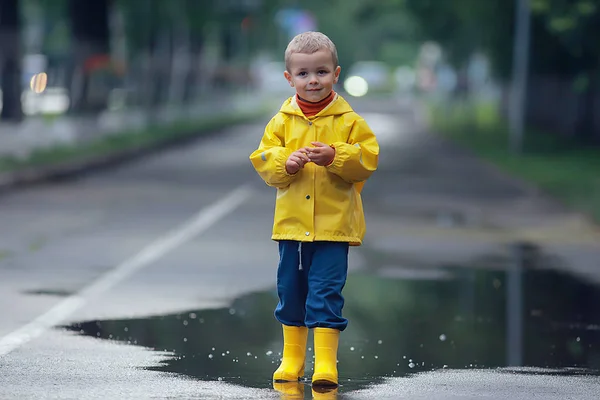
(156, 280)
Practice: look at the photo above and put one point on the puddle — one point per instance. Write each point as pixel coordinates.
(472, 318)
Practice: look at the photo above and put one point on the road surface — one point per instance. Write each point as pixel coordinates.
(156, 280)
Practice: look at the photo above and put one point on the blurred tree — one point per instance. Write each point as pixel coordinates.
(571, 31)
(10, 60)
(389, 31)
(565, 40)
(197, 17)
(379, 30)
(565, 32)
(91, 49)
(463, 27)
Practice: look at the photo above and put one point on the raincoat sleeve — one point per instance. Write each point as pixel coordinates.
(270, 157)
(357, 159)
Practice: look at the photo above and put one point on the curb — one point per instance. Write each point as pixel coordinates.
(29, 176)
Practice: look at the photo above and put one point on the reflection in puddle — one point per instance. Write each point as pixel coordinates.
(473, 318)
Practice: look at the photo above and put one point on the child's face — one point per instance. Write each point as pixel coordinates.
(312, 75)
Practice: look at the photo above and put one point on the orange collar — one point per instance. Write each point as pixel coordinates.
(310, 109)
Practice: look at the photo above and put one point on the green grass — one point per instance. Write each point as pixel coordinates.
(561, 167)
(120, 142)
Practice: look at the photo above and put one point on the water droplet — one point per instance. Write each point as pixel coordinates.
(201, 320)
(376, 357)
(443, 337)
(126, 329)
(231, 311)
(352, 348)
(210, 356)
(222, 354)
(379, 341)
(227, 352)
(185, 339)
(213, 349)
(248, 354)
(185, 323)
(269, 353)
(578, 339)
(411, 365)
(445, 366)
(192, 315)
(310, 349)
(220, 379)
(404, 357)
(363, 357)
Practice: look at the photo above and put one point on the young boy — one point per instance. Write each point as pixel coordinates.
(318, 153)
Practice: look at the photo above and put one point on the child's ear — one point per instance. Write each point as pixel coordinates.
(288, 77)
(337, 74)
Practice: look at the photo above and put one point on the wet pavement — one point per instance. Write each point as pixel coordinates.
(462, 319)
(468, 285)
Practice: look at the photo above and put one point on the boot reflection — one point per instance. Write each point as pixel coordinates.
(289, 390)
(324, 393)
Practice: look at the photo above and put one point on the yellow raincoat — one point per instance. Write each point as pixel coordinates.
(318, 203)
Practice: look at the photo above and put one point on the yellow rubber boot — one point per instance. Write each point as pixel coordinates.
(326, 347)
(294, 354)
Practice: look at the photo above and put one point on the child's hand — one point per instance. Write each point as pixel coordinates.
(321, 154)
(296, 161)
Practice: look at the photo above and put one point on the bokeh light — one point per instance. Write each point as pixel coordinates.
(38, 82)
(356, 86)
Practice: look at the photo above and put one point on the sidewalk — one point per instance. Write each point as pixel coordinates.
(447, 207)
(20, 141)
(33, 133)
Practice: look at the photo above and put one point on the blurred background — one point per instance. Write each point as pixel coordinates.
(483, 242)
(518, 75)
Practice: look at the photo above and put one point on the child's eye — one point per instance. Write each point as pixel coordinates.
(322, 72)
(302, 73)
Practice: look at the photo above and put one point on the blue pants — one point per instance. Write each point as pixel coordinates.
(310, 279)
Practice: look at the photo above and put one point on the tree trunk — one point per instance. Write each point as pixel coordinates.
(91, 40)
(193, 75)
(585, 118)
(10, 60)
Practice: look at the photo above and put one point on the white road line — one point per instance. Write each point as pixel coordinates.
(198, 224)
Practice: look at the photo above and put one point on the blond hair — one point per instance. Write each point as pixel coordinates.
(309, 43)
